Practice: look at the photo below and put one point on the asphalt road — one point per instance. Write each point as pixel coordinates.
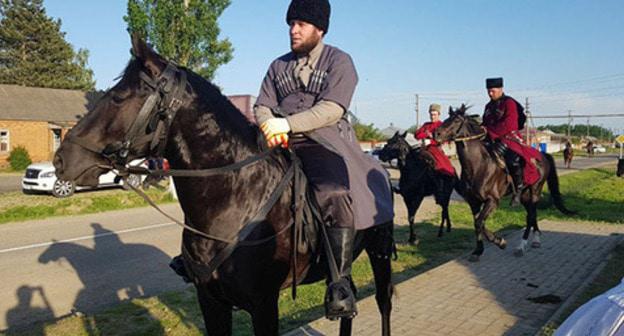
(83, 263)
(10, 182)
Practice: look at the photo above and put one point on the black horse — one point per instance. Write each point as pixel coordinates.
(157, 106)
(620, 167)
(483, 183)
(418, 180)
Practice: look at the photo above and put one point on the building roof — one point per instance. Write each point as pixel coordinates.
(41, 104)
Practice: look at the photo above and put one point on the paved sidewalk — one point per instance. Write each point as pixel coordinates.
(490, 297)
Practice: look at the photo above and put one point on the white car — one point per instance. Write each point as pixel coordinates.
(599, 149)
(41, 177)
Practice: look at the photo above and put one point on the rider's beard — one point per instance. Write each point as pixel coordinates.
(306, 46)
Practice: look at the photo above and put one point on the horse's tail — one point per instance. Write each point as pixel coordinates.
(553, 186)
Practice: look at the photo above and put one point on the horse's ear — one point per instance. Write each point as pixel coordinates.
(404, 134)
(150, 59)
(451, 111)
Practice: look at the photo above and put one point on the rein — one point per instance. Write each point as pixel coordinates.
(472, 137)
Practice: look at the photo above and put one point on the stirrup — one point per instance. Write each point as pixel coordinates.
(340, 300)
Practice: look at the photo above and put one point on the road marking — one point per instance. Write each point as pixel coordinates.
(26, 247)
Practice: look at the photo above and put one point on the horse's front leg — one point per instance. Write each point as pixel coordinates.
(488, 207)
(412, 207)
(379, 247)
(265, 318)
(217, 315)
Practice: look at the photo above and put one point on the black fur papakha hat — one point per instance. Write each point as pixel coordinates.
(494, 82)
(315, 12)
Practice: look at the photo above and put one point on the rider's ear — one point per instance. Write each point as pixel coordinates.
(150, 59)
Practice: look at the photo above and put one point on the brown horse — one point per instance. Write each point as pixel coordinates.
(483, 183)
(239, 246)
(568, 155)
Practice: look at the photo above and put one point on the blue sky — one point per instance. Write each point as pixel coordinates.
(562, 55)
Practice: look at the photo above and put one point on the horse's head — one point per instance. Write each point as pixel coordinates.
(458, 125)
(123, 123)
(396, 148)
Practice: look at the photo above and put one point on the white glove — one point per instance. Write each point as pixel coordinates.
(426, 142)
(274, 126)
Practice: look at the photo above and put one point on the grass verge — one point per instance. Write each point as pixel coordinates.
(15, 207)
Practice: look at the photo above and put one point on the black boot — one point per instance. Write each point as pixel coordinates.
(339, 298)
(517, 175)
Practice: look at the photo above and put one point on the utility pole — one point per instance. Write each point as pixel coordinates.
(526, 124)
(569, 122)
(417, 110)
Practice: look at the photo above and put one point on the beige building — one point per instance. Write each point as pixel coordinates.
(38, 118)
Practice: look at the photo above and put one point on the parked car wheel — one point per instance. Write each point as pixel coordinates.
(63, 189)
(132, 180)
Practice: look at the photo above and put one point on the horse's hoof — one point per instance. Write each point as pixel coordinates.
(474, 258)
(536, 244)
(440, 234)
(503, 244)
(519, 252)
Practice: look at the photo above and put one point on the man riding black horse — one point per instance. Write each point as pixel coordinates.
(502, 121)
(302, 103)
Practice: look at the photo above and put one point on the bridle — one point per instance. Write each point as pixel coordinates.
(479, 136)
(151, 124)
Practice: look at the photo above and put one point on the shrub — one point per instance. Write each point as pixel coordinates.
(19, 158)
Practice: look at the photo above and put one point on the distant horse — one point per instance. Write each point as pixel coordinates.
(240, 246)
(484, 183)
(568, 155)
(418, 180)
(590, 149)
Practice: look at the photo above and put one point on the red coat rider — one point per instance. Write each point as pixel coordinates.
(425, 133)
(501, 121)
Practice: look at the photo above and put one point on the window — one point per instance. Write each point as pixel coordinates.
(4, 141)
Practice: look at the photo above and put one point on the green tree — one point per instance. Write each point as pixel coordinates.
(183, 31)
(33, 50)
(368, 132)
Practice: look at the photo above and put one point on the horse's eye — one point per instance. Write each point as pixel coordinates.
(118, 98)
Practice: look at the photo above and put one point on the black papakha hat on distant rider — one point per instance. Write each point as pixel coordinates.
(315, 12)
(494, 82)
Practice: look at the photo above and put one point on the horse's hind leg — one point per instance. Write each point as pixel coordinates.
(379, 247)
(531, 221)
(217, 315)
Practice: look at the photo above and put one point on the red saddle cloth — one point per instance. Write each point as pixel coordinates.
(442, 162)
